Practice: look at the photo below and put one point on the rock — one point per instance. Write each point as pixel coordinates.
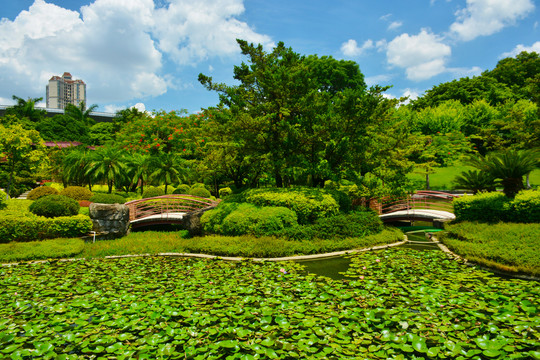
(110, 219)
(192, 221)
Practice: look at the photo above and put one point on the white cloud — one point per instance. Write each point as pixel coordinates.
(518, 49)
(422, 56)
(139, 106)
(465, 72)
(118, 47)
(191, 31)
(351, 48)
(486, 17)
(412, 94)
(395, 25)
(377, 79)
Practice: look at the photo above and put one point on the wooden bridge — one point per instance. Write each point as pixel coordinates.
(420, 206)
(165, 209)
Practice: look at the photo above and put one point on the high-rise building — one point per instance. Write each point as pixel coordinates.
(64, 90)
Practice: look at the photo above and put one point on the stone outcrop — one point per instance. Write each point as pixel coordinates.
(192, 221)
(110, 219)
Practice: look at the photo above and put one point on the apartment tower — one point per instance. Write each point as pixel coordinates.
(64, 90)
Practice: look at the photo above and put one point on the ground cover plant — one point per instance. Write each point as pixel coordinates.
(504, 246)
(395, 304)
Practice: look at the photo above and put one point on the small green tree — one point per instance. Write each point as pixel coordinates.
(108, 165)
(169, 168)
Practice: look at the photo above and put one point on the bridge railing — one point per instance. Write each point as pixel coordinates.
(433, 200)
(165, 204)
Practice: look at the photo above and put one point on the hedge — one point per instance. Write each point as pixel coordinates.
(248, 219)
(151, 191)
(3, 200)
(31, 227)
(108, 199)
(40, 192)
(309, 204)
(494, 207)
(199, 191)
(182, 189)
(77, 193)
(54, 206)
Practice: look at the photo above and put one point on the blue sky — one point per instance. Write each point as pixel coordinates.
(150, 52)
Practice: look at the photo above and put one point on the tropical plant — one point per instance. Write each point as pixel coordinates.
(80, 113)
(76, 165)
(169, 168)
(25, 109)
(475, 180)
(108, 165)
(509, 166)
(139, 168)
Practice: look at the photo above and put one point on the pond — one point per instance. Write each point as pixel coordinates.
(392, 304)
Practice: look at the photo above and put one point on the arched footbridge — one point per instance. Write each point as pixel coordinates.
(165, 209)
(420, 206)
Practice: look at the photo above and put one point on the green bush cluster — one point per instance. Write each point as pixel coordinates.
(241, 219)
(182, 189)
(355, 224)
(226, 191)
(77, 193)
(14, 227)
(3, 200)
(54, 206)
(495, 206)
(309, 204)
(199, 191)
(41, 191)
(108, 199)
(151, 191)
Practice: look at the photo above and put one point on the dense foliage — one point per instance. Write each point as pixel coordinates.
(54, 206)
(495, 206)
(250, 310)
(41, 191)
(153, 192)
(3, 200)
(108, 199)
(24, 227)
(77, 193)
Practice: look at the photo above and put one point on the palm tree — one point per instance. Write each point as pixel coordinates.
(169, 169)
(75, 166)
(26, 109)
(108, 165)
(139, 166)
(509, 166)
(475, 180)
(79, 113)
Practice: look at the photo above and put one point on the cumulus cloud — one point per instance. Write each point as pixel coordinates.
(422, 56)
(377, 79)
(520, 48)
(351, 48)
(486, 17)
(118, 47)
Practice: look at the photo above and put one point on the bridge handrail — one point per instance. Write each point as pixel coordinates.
(416, 200)
(165, 204)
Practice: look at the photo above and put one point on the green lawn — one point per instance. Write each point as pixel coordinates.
(443, 177)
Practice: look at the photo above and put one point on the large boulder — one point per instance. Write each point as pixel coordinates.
(192, 221)
(111, 220)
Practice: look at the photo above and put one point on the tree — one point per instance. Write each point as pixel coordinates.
(76, 164)
(108, 165)
(509, 166)
(62, 128)
(80, 114)
(169, 169)
(25, 110)
(21, 148)
(475, 180)
(138, 169)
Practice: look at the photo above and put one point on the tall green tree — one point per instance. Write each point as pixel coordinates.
(21, 149)
(26, 111)
(108, 165)
(169, 169)
(80, 113)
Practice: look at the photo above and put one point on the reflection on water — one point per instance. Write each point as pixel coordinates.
(329, 267)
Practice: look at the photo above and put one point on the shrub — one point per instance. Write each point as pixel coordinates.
(241, 219)
(486, 207)
(77, 193)
(199, 191)
(41, 191)
(3, 200)
(108, 199)
(28, 228)
(355, 224)
(225, 192)
(342, 198)
(151, 191)
(309, 204)
(526, 207)
(494, 207)
(182, 189)
(54, 206)
(199, 185)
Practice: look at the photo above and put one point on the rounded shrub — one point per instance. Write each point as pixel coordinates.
(41, 191)
(182, 189)
(108, 199)
(54, 206)
(77, 193)
(198, 185)
(199, 191)
(151, 191)
(3, 200)
(223, 192)
(354, 224)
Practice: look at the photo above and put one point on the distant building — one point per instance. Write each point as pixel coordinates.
(64, 90)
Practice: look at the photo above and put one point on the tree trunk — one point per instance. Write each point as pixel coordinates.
(427, 181)
(279, 179)
(512, 186)
(528, 181)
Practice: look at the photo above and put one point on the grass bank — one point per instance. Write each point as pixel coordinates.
(507, 247)
(152, 242)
